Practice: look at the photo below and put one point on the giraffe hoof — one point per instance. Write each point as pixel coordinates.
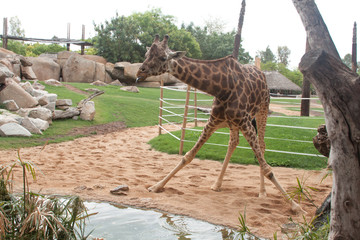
(155, 189)
(216, 188)
(262, 195)
(297, 209)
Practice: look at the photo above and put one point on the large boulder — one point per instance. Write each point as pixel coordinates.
(79, 69)
(130, 71)
(63, 56)
(95, 58)
(45, 68)
(4, 53)
(13, 91)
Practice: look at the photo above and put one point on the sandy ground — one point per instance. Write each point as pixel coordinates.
(92, 166)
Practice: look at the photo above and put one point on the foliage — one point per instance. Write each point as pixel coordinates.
(215, 44)
(33, 216)
(267, 55)
(15, 27)
(33, 50)
(126, 38)
(283, 55)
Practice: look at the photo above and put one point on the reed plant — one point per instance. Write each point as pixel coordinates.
(31, 215)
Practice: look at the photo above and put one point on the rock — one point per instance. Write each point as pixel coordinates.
(130, 71)
(98, 83)
(92, 90)
(5, 73)
(40, 124)
(50, 106)
(6, 119)
(38, 86)
(63, 102)
(13, 91)
(63, 56)
(88, 111)
(120, 190)
(28, 73)
(95, 58)
(27, 87)
(43, 100)
(14, 129)
(53, 82)
(79, 69)
(130, 89)
(116, 83)
(45, 68)
(52, 97)
(30, 126)
(42, 113)
(38, 93)
(4, 53)
(11, 105)
(68, 113)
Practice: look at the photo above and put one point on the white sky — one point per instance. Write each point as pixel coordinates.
(274, 23)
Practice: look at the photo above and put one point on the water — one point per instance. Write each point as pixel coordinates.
(115, 222)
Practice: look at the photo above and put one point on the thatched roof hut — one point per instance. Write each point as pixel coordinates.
(278, 83)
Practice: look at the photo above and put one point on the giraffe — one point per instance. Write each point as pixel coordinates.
(240, 95)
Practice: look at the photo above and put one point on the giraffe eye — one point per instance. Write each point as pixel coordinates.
(163, 59)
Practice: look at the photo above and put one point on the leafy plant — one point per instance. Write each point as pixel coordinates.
(34, 216)
(301, 191)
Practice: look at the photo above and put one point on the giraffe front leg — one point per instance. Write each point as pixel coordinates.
(262, 192)
(233, 142)
(160, 185)
(188, 157)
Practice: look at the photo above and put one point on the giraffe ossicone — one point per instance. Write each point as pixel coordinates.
(240, 95)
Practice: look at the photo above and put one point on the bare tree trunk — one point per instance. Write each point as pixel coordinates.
(305, 103)
(238, 34)
(354, 50)
(338, 88)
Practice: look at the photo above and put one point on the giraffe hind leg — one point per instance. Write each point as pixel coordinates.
(266, 169)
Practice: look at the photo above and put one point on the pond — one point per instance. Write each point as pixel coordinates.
(115, 221)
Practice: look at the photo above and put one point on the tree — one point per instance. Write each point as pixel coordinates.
(15, 27)
(338, 89)
(347, 60)
(126, 38)
(267, 55)
(283, 55)
(215, 45)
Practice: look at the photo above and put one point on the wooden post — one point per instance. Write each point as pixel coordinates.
(305, 93)
(161, 104)
(68, 37)
(184, 120)
(195, 107)
(354, 50)
(258, 63)
(5, 30)
(238, 34)
(83, 38)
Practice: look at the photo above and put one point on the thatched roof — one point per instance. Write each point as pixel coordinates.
(277, 81)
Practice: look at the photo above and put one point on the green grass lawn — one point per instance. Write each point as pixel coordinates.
(142, 109)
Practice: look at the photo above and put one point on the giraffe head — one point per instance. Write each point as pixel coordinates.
(157, 59)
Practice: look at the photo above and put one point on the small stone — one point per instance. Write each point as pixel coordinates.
(120, 189)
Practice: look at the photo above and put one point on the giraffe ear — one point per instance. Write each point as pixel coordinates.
(176, 55)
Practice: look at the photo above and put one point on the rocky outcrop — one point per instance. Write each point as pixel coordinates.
(34, 107)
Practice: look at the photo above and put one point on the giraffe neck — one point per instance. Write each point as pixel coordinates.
(210, 76)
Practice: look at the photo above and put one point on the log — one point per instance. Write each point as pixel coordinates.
(338, 88)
